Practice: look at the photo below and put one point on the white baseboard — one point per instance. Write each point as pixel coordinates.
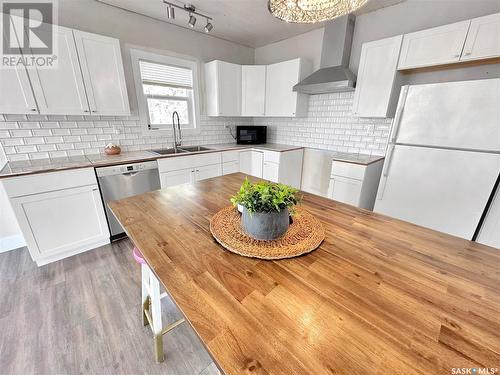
(12, 242)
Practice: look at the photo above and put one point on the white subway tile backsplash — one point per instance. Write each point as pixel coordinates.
(329, 125)
(26, 149)
(20, 133)
(50, 147)
(12, 141)
(49, 125)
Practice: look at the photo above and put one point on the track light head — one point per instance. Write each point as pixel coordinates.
(208, 26)
(192, 21)
(170, 12)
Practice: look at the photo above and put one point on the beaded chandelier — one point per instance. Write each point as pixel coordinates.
(311, 11)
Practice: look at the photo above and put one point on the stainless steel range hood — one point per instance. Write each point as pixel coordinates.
(334, 74)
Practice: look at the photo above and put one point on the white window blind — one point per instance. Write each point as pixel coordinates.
(154, 73)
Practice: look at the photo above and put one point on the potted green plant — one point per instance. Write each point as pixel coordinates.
(266, 208)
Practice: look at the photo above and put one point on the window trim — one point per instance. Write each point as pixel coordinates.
(168, 59)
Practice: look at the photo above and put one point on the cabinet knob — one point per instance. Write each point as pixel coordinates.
(468, 53)
(34, 109)
(456, 56)
(94, 111)
(86, 111)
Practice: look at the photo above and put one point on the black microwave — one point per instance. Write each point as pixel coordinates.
(251, 135)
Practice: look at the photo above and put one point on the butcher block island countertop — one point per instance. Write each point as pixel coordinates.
(378, 296)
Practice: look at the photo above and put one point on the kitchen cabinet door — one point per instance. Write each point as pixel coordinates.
(230, 167)
(483, 39)
(18, 99)
(436, 46)
(173, 178)
(346, 190)
(60, 90)
(251, 162)
(61, 223)
(271, 171)
(281, 100)
(102, 69)
(253, 90)
(223, 87)
(246, 162)
(374, 96)
(208, 171)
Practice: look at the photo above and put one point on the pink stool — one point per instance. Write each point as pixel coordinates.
(151, 305)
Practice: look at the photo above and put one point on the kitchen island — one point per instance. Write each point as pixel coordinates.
(378, 296)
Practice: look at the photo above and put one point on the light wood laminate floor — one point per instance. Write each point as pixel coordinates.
(82, 315)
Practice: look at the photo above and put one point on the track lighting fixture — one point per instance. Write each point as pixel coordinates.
(192, 21)
(191, 10)
(170, 12)
(208, 26)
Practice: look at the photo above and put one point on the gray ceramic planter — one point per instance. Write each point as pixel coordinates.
(265, 225)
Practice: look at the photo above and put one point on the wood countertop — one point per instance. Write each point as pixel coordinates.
(378, 296)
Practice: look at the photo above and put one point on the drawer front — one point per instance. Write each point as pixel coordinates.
(228, 156)
(52, 181)
(272, 156)
(348, 170)
(346, 190)
(271, 171)
(188, 161)
(61, 221)
(230, 167)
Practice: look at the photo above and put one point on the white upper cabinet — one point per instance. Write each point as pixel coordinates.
(281, 100)
(223, 87)
(102, 69)
(483, 39)
(18, 99)
(253, 90)
(60, 91)
(436, 46)
(377, 77)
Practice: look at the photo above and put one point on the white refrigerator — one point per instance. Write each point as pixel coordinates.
(443, 159)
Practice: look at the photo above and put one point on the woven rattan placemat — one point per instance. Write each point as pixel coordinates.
(304, 235)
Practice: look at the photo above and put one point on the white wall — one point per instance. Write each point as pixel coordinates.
(306, 45)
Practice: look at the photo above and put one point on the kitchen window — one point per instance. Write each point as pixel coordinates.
(165, 84)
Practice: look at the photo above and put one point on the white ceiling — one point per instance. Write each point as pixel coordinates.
(246, 22)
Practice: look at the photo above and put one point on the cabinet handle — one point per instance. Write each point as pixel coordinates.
(33, 110)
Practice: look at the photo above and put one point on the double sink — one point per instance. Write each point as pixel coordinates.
(180, 150)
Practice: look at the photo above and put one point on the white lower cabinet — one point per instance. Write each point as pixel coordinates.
(251, 162)
(230, 162)
(189, 169)
(271, 171)
(230, 167)
(347, 190)
(60, 213)
(284, 167)
(355, 184)
(181, 176)
(208, 171)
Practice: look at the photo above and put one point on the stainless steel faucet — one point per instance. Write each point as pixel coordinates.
(179, 142)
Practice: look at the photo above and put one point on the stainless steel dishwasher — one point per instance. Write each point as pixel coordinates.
(121, 181)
